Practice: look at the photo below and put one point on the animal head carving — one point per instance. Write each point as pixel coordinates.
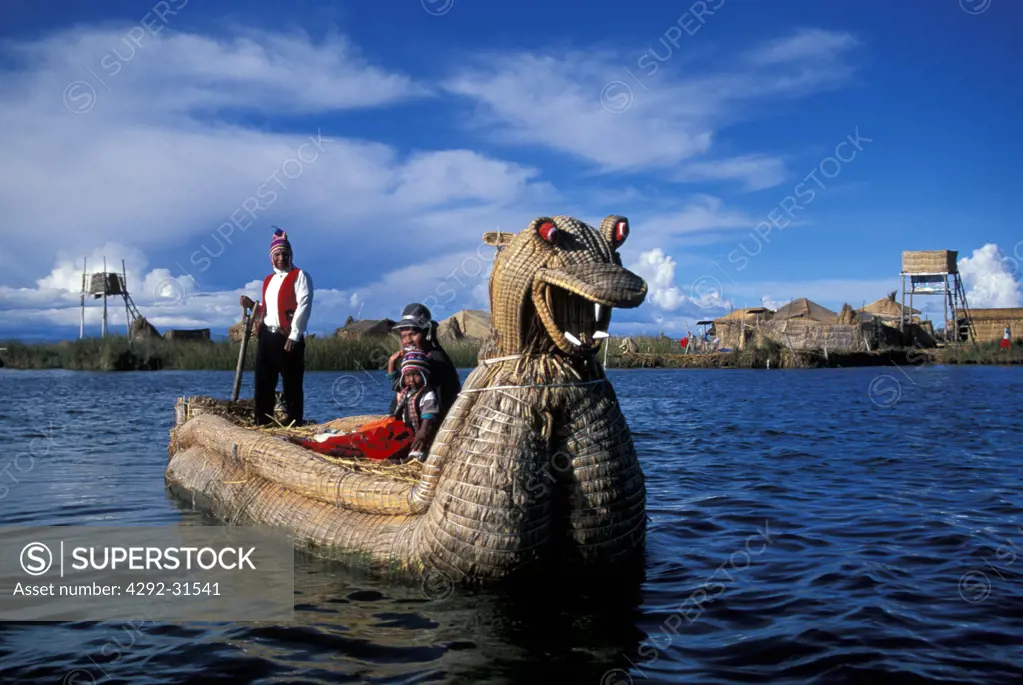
(554, 284)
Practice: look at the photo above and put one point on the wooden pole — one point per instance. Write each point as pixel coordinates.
(124, 295)
(902, 311)
(742, 331)
(944, 309)
(241, 354)
(81, 328)
(913, 338)
(104, 297)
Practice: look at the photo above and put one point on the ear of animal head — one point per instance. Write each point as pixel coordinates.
(615, 229)
(498, 239)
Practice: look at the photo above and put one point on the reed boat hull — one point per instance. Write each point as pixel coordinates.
(533, 470)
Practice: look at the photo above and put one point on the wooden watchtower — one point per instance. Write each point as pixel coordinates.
(936, 272)
(103, 285)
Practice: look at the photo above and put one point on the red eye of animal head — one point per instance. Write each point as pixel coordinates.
(548, 232)
(621, 232)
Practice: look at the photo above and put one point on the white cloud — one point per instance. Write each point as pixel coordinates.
(445, 284)
(804, 45)
(159, 162)
(700, 299)
(179, 73)
(658, 270)
(771, 303)
(555, 101)
(703, 213)
(165, 300)
(701, 219)
(755, 171)
(990, 278)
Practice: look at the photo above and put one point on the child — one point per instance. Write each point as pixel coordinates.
(417, 404)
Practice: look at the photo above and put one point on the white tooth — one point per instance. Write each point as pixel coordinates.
(598, 310)
(600, 335)
(572, 339)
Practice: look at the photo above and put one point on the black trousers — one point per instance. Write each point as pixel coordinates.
(271, 361)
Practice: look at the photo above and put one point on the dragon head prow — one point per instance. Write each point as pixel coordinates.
(554, 284)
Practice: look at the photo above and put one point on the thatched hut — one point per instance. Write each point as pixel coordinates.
(141, 329)
(196, 334)
(237, 331)
(365, 328)
(628, 346)
(738, 327)
(990, 323)
(805, 325)
(805, 310)
(888, 311)
(468, 323)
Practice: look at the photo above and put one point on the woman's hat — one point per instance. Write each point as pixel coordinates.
(416, 316)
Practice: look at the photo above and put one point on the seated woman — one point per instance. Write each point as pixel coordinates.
(418, 331)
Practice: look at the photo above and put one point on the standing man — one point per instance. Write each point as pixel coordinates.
(281, 321)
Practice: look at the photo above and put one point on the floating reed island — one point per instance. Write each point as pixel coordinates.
(533, 469)
(362, 354)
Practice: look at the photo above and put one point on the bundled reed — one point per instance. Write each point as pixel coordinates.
(929, 261)
(990, 323)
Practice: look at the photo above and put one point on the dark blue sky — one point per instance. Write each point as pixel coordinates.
(735, 117)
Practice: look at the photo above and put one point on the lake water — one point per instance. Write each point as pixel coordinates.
(826, 526)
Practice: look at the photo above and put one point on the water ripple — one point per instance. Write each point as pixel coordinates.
(798, 534)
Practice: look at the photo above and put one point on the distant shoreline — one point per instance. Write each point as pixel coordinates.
(369, 354)
(815, 359)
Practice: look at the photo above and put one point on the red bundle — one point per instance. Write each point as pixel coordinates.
(378, 440)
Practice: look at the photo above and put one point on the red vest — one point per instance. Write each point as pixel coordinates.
(287, 302)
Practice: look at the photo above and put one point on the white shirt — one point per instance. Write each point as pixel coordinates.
(304, 296)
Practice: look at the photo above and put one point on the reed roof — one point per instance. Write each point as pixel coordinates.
(886, 307)
(997, 313)
(744, 313)
(805, 309)
(467, 323)
(367, 327)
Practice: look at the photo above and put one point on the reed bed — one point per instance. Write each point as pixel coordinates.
(116, 354)
(982, 353)
(322, 354)
(355, 354)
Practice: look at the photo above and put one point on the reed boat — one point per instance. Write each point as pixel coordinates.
(533, 467)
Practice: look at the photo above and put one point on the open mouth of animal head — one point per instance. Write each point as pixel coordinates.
(575, 302)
